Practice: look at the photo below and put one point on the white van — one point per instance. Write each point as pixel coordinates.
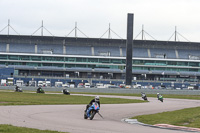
(58, 84)
(48, 83)
(87, 85)
(19, 82)
(40, 83)
(100, 85)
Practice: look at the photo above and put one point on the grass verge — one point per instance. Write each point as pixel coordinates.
(18, 98)
(189, 117)
(14, 129)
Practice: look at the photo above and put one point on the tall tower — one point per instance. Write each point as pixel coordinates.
(129, 49)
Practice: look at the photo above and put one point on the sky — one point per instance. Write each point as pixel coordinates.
(92, 17)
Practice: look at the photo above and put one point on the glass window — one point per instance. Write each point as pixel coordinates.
(79, 59)
(193, 70)
(24, 57)
(3, 63)
(137, 68)
(12, 57)
(149, 62)
(36, 58)
(46, 64)
(183, 69)
(92, 66)
(160, 62)
(102, 66)
(116, 61)
(57, 65)
(104, 61)
(195, 64)
(66, 59)
(32, 64)
(84, 59)
(171, 69)
(71, 59)
(81, 65)
(58, 59)
(69, 65)
(3, 56)
(139, 62)
(124, 61)
(93, 60)
(121, 67)
(46, 58)
(159, 68)
(13, 63)
(182, 63)
(172, 63)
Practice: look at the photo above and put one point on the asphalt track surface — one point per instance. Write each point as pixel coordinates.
(69, 118)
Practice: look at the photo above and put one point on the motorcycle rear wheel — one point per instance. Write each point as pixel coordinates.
(85, 115)
(92, 114)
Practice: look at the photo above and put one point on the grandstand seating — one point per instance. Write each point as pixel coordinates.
(184, 54)
(2, 47)
(169, 53)
(137, 52)
(22, 48)
(140, 52)
(56, 48)
(101, 51)
(107, 50)
(78, 50)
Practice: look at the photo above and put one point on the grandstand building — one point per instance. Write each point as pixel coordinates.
(72, 57)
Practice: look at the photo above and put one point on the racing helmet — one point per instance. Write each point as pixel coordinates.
(157, 93)
(96, 98)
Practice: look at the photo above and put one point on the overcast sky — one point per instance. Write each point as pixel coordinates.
(159, 17)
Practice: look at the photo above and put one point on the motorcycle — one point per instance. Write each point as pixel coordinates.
(18, 90)
(144, 96)
(65, 91)
(40, 90)
(160, 97)
(91, 111)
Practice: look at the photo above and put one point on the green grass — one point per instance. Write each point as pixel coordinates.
(14, 129)
(16, 98)
(189, 117)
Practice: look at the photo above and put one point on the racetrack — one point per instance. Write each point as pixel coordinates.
(69, 118)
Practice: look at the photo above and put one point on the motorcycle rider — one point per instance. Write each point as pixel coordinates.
(143, 94)
(65, 91)
(38, 90)
(17, 88)
(96, 99)
(158, 95)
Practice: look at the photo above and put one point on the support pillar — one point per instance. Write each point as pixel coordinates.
(129, 49)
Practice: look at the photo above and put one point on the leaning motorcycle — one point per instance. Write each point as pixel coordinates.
(91, 111)
(40, 90)
(144, 96)
(160, 98)
(18, 90)
(65, 91)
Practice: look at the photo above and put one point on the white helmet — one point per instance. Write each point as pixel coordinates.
(157, 93)
(96, 98)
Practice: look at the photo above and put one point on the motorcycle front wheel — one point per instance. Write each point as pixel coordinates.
(92, 114)
(161, 100)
